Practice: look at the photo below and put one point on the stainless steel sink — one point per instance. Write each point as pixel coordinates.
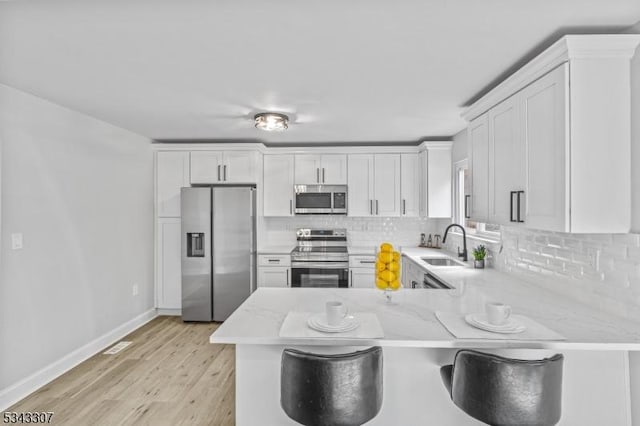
(442, 261)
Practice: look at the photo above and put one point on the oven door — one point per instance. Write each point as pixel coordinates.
(320, 274)
(313, 202)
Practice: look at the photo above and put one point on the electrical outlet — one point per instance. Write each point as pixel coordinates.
(16, 241)
(135, 289)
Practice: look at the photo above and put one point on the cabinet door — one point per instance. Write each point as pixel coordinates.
(544, 115)
(387, 185)
(409, 184)
(362, 278)
(239, 167)
(438, 182)
(307, 170)
(360, 180)
(506, 162)
(278, 185)
(206, 166)
(172, 173)
(168, 264)
(479, 154)
(333, 169)
(273, 277)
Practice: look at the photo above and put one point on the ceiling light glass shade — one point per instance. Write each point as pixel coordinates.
(271, 121)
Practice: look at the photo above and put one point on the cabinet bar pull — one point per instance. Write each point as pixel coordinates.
(317, 175)
(377, 212)
(351, 280)
(371, 207)
(290, 206)
(288, 277)
(274, 260)
(218, 172)
(519, 207)
(511, 194)
(323, 175)
(404, 207)
(224, 169)
(367, 262)
(466, 207)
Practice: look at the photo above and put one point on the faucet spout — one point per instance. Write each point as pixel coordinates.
(462, 254)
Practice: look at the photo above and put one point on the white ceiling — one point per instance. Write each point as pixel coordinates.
(351, 71)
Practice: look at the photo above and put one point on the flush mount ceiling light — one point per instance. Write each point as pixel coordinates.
(271, 121)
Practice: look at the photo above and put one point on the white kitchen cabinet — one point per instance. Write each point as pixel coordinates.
(168, 264)
(564, 119)
(172, 173)
(362, 273)
(478, 136)
(412, 274)
(274, 277)
(410, 185)
(328, 169)
(506, 163)
(374, 185)
(278, 185)
(223, 167)
(435, 184)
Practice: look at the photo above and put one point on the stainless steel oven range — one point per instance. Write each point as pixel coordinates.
(320, 259)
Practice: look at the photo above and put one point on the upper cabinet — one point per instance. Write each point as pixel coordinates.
(410, 179)
(172, 173)
(278, 185)
(374, 185)
(550, 146)
(435, 180)
(223, 167)
(329, 169)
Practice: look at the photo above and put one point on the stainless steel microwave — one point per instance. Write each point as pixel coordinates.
(321, 199)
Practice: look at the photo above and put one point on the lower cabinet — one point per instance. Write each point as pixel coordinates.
(412, 274)
(362, 273)
(274, 271)
(168, 263)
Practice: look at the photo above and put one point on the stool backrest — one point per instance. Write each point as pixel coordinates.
(338, 390)
(504, 391)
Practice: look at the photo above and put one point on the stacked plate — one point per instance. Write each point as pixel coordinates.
(319, 322)
(511, 326)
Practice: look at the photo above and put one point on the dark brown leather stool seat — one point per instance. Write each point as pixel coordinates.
(336, 390)
(504, 391)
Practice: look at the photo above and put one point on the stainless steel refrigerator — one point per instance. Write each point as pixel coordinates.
(218, 250)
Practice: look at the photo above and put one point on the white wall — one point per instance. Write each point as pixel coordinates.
(81, 192)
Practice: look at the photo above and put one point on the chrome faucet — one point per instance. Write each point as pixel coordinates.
(462, 254)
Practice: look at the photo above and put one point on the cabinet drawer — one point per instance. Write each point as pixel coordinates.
(274, 260)
(362, 261)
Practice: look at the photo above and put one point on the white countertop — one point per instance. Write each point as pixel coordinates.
(284, 249)
(411, 321)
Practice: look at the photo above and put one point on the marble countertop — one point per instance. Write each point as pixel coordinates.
(410, 321)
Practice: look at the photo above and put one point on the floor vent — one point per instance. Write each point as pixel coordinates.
(117, 348)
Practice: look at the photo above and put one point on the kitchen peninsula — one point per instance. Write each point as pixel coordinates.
(416, 344)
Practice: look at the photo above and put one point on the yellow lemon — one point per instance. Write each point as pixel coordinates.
(386, 248)
(385, 257)
(395, 284)
(393, 266)
(387, 275)
(381, 284)
(396, 256)
(381, 266)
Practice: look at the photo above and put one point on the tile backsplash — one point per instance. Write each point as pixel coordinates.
(579, 265)
(361, 231)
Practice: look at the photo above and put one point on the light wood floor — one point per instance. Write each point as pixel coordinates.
(169, 375)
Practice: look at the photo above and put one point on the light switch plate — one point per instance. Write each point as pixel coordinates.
(16, 241)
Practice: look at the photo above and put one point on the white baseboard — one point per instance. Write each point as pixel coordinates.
(19, 390)
(169, 312)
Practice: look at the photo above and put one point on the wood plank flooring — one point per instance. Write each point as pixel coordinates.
(169, 375)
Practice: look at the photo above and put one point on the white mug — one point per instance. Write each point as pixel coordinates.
(336, 311)
(498, 313)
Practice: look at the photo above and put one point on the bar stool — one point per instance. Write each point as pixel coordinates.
(337, 390)
(504, 391)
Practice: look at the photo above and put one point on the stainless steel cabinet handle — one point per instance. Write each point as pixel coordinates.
(404, 206)
(290, 206)
(467, 215)
(371, 207)
(351, 280)
(323, 175)
(274, 260)
(224, 169)
(520, 220)
(377, 211)
(369, 262)
(317, 175)
(218, 172)
(288, 285)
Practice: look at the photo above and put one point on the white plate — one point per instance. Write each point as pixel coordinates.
(319, 322)
(480, 321)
